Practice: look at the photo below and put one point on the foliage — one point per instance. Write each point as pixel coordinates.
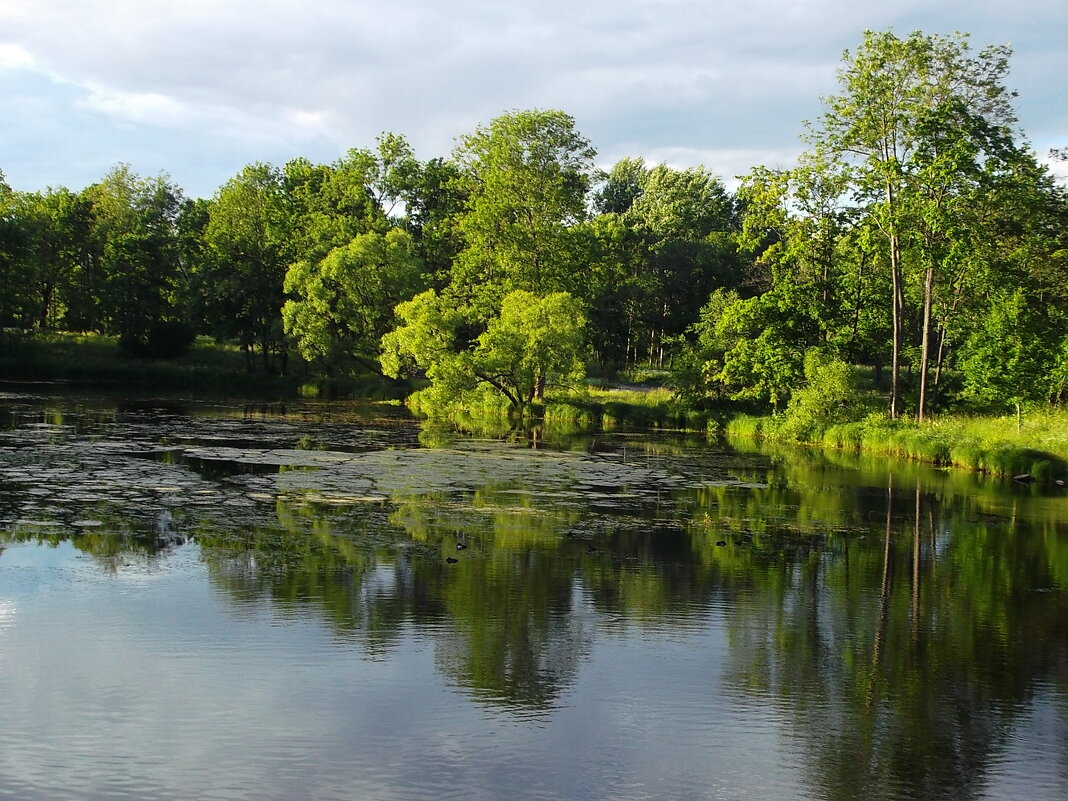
(532, 344)
(830, 395)
(247, 239)
(917, 233)
(340, 307)
(743, 348)
(525, 176)
(1007, 361)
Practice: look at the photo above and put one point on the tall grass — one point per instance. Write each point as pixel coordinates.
(993, 445)
(611, 409)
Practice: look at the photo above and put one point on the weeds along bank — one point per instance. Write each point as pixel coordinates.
(992, 445)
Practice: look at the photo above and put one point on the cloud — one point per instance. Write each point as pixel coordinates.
(14, 56)
(149, 108)
(658, 76)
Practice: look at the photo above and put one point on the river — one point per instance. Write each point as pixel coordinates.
(216, 600)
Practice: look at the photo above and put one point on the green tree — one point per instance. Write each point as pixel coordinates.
(896, 93)
(434, 201)
(13, 289)
(1008, 361)
(830, 394)
(661, 243)
(248, 241)
(532, 344)
(137, 274)
(746, 349)
(683, 220)
(340, 307)
(621, 187)
(526, 177)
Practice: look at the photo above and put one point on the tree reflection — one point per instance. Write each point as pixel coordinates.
(901, 620)
(904, 661)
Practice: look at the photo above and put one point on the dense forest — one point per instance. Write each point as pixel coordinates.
(918, 242)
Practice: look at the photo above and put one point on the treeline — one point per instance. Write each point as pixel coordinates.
(918, 236)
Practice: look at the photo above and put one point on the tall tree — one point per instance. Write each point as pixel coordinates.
(526, 176)
(660, 245)
(339, 307)
(13, 288)
(248, 237)
(137, 269)
(893, 89)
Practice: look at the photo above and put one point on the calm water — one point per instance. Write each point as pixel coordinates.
(323, 601)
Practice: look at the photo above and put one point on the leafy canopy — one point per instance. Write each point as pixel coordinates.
(533, 343)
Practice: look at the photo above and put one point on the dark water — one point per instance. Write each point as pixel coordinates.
(324, 602)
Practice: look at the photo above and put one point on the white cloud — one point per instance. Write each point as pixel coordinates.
(149, 108)
(1058, 167)
(15, 56)
(252, 80)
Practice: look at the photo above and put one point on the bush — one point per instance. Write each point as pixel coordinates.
(830, 396)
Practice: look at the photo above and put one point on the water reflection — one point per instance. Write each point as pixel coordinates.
(907, 624)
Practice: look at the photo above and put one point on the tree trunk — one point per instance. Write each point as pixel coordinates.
(941, 334)
(925, 352)
(898, 300)
(898, 309)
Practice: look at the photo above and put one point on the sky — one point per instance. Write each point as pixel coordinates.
(197, 89)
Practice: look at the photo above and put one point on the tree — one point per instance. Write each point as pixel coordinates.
(136, 276)
(623, 185)
(341, 306)
(746, 349)
(534, 342)
(434, 199)
(660, 245)
(58, 227)
(248, 236)
(13, 289)
(909, 109)
(526, 176)
(1008, 361)
(683, 219)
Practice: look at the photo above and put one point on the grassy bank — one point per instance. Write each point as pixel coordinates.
(209, 368)
(992, 445)
(93, 359)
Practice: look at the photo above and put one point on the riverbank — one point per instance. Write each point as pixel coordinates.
(97, 360)
(209, 367)
(985, 444)
(1035, 448)
(590, 409)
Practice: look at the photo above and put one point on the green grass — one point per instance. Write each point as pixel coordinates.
(986, 444)
(209, 368)
(587, 409)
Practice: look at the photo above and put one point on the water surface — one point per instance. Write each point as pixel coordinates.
(323, 601)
